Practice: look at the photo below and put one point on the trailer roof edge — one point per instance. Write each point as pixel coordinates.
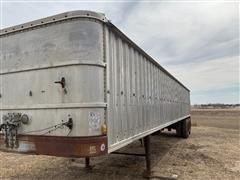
(53, 19)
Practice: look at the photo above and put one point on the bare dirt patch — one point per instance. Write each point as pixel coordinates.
(209, 153)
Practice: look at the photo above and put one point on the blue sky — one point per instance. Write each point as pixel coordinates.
(196, 42)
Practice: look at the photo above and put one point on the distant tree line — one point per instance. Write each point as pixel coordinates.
(216, 105)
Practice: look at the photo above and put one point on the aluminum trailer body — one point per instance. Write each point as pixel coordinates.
(74, 85)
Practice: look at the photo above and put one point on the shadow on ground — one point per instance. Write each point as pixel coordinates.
(126, 166)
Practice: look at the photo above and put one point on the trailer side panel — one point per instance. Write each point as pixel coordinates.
(142, 97)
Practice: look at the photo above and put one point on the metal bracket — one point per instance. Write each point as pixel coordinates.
(62, 82)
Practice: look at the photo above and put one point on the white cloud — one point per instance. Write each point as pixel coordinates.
(179, 32)
(208, 75)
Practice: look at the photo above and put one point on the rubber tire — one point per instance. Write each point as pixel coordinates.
(179, 129)
(186, 128)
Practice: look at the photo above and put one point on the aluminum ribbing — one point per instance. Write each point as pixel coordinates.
(141, 97)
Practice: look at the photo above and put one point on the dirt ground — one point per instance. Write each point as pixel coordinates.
(211, 152)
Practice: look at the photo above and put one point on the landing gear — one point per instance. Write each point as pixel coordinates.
(147, 147)
(87, 163)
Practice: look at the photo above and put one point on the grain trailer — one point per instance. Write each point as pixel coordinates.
(73, 85)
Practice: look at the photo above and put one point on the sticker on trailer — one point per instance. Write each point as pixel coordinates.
(92, 150)
(94, 120)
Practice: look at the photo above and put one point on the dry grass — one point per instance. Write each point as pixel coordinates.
(210, 153)
(222, 118)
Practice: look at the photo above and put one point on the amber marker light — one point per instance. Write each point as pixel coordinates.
(104, 128)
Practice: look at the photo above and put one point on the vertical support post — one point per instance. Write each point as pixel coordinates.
(87, 163)
(148, 155)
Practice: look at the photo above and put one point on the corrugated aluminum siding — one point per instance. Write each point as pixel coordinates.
(141, 97)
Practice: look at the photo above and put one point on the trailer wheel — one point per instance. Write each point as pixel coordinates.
(179, 129)
(186, 127)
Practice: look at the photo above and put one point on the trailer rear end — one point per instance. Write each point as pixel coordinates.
(74, 85)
